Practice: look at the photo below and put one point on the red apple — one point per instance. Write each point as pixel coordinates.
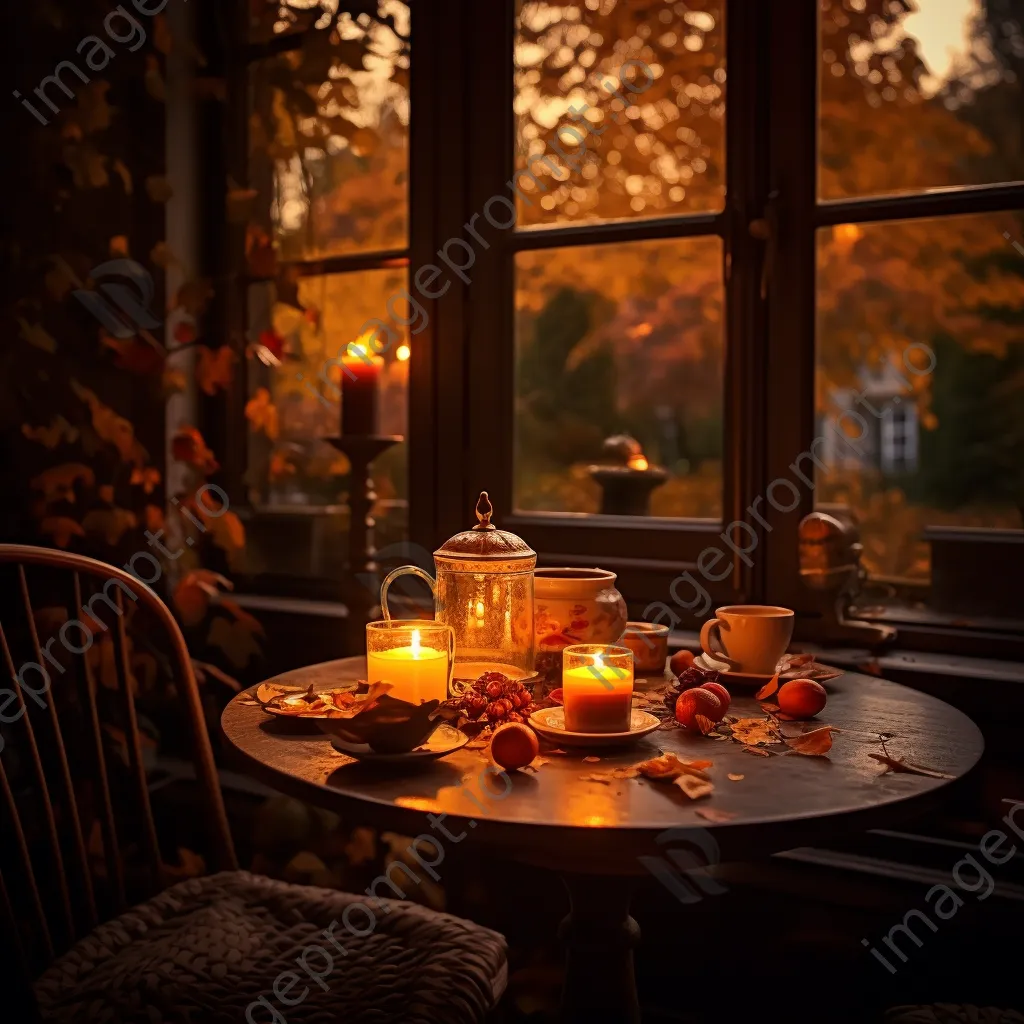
(721, 693)
(680, 662)
(801, 698)
(698, 701)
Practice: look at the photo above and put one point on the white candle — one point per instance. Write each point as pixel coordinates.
(416, 673)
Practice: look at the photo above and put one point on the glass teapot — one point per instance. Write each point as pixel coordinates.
(484, 591)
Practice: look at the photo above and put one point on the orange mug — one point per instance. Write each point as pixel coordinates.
(750, 638)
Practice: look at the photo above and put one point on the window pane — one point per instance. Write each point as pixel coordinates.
(649, 77)
(269, 18)
(624, 339)
(293, 394)
(917, 96)
(923, 319)
(329, 138)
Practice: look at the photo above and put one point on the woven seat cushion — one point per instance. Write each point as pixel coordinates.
(947, 1013)
(210, 949)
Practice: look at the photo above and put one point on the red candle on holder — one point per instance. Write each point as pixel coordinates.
(360, 372)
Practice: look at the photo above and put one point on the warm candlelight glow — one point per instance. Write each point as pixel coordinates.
(597, 688)
(637, 462)
(402, 353)
(417, 671)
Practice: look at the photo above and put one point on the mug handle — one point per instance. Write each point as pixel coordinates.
(451, 658)
(715, 626)
(406, 570)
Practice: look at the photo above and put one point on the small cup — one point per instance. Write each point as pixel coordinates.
(750, 637)
(649, 643)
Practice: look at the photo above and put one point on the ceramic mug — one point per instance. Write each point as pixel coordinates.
(751, 637)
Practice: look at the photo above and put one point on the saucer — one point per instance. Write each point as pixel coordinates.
(702, 661)
(550, 723)
(444, 740)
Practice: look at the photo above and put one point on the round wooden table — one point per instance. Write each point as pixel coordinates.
(598, 834)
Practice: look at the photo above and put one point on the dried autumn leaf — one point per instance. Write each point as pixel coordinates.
(235, 640)
(52, 435)
(591, 759)
(37, 335)
(59, 482)
(757, 750)
(768, 689)
(733, 777)
(110, 523)
(694, 788)
(816, 743)
(771, 709)
(895, 764)
(715, 814)
(61, 529)
(213, 369)
(668, 767)
(606, 779)
(753, 731)
(704, 724)
(261, 412)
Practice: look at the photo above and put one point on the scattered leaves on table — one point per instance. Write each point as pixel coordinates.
(895, 764)
(591, 759)
(769, 688)
(715, 814)
(669, 767)
(752, 732)
(759, 751)
(597, 777)
(733, 777)
(695, 788)
(816, 743)
(704, 724)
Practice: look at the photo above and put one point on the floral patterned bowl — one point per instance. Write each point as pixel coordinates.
(574, 606)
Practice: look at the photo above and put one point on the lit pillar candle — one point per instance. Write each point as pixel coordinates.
(416, 673)
(597, 689)
(360, 373)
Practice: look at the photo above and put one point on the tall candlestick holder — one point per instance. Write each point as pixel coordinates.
(362, 583)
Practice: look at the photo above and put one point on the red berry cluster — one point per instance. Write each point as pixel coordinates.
(687, 680)
(497, 699)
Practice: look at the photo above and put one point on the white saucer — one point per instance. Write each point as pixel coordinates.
(550, 723)
(709, 664)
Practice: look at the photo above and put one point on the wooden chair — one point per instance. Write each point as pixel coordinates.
(207, 949)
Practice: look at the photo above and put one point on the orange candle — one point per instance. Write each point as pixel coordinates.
(597, 688)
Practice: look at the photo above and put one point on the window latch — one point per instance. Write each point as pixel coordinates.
(765, 229)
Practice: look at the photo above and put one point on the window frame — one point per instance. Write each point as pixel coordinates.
(461, 405)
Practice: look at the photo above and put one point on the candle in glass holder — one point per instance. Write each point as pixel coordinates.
(597, 688)
(419, 670)
(360, 373)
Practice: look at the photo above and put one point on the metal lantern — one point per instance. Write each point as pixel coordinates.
(484, 591)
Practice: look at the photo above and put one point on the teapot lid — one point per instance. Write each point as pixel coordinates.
(486, 543)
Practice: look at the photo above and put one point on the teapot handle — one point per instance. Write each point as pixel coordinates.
(404, 570)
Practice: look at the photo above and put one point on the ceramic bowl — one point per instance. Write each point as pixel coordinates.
(392, 727)
(649, 643)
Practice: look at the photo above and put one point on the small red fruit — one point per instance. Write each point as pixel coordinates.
(680, 662)
(698, 701)
(721, 693)
(801, 698)
(514, 746)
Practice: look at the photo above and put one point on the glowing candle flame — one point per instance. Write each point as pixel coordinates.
(598, 663)
(637, 462)
(415, 643)
(479, 609)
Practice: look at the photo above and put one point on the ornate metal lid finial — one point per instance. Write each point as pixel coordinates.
(484, 511)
